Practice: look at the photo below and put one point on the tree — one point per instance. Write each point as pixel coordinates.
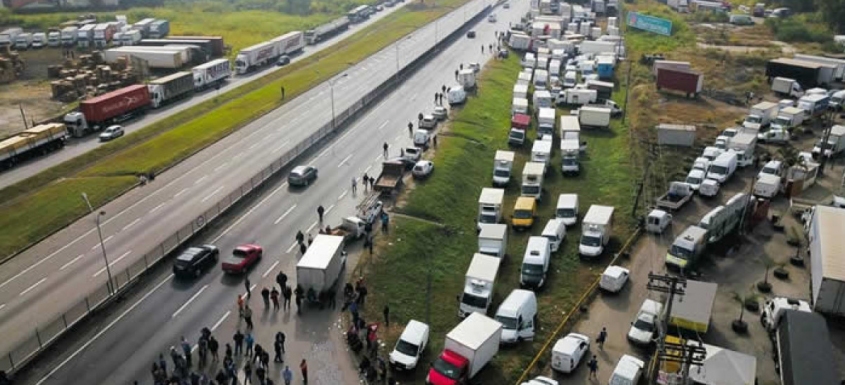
(833, 12)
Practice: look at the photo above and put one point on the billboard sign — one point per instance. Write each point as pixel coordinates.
(649, 23)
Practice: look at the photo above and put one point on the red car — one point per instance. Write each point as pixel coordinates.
(242, 258)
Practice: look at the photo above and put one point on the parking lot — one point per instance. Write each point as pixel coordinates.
(736, 274)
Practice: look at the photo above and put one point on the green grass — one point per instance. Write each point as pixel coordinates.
(647, 42)
(171, 140)
(398, 271)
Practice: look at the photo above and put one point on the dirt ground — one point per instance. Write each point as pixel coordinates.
(31, 91)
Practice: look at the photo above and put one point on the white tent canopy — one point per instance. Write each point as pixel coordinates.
(724, 367)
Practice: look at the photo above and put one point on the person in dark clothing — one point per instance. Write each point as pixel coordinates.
(332, 294)
(602, 337)
(282, 280)
(298, 294)
(287, 294)
(456, 74)
(265, 295)
(213, 346)
(300, 237)
(248, 288)
(594, 366)
(434, 139)
(274, 297)
(443, 88)
(386, 313)
(385, 147)
(320, 211)
(303, 248)
(410, 129)
(362, 294)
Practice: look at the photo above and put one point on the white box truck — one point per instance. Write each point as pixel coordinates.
(468, 348)
(743, 144)
(490, 205)
(788, 87)
(761, 115)
(211, 74)
(320, 268)
(532, 180)
(541, 152)
(493, 240)
(545, 122)
(502, 167)
(479, 285)
(257, 55)
(570, 144)
(767, 186)
(596, 230)
(520, 106)
(576, 96)
(835, 142)
(598, 117)
(826, 255)
(520, 91)
(69, 35)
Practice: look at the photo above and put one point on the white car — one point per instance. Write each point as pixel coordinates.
(413, 154)
(540, 380)
(422, 169)
(440, 112)
(507, 6)
(492, 18)
(643, 328)
(568, 352)
(112, 132)
(614, 278)
(428, 122)
(627, 372)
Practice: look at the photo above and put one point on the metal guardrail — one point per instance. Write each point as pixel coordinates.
(45, 334)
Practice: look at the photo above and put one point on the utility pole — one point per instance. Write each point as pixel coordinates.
(686, 355)
(627, 88)
(674, 286)
(651, 152)
(828, 120)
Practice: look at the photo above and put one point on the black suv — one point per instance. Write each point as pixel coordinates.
(194, 260)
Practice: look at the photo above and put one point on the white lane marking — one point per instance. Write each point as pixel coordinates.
(343, 195)
(254, 145)
(377, 158)
(328, 209)
(284, 215)
(281, 146)
(33, 286)
(2, 306)
(157, 207)
(238, 156)
(312, 226)
(368, 168)
(131, 224)
(71, 262)
(104, 242)
(398, 137)
(273, 266)
(220, 321)
(383, 124)
(324, 152)
(217, 190)
(198, 181)
(248, 212)
(220, 167)
(184, 190)
(344, 161)
(189, 301)
(111, 263)
(291, 247)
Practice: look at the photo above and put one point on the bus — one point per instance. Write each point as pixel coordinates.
(359, 14)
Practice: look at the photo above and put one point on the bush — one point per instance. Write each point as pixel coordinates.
(795, 30)
(710, 17)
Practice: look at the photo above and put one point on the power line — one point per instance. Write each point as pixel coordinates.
(673, 286)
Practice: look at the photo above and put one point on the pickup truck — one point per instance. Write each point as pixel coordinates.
(242, 258)
(390, 178)
(679, 194)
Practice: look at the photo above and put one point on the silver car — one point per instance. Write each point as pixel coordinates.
(112, 132)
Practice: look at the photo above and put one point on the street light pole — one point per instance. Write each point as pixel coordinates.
(397, 55)
(102, 244)
(331, 90)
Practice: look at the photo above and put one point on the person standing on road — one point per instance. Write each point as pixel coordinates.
(303, 248)
(386, 312)
(162, 363)
(303, 367)
(299, 237)
(274, 296)
(239, 342)
(282, 279)
(265, 295)
(213, 345)
(594, 366)
(354, 185)
(385, 147)
(482, 49)
(436, 97)
(248, 316)
(287, 375)
(287, 293)
(602, 337)
(298, 294)
(247, 373)
(248, 287)
(310, 239)
(186, 349)
(250, 342)
(320, 211)
(280, 336)
(410, 129)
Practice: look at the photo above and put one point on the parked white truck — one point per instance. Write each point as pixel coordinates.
(257, 55)
(211, 74)
(596, 230)
(468, 348)
(826, 246)
(545, 122)
(679, 194)
(319, 270)
(532, 180)
(761, 115)
(788, 87)
(835, 142)
(493, 240)
(490, 205)
(502, 167)
(598, 117)
(779, 131)
(743, 144)
(479, 285)
(570, 145)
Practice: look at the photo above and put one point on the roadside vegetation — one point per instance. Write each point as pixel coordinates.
(167, 142)
(435, 233)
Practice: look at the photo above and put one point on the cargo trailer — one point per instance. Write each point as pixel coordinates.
(36, 141)
(169, 88)
(685, 81)
(216, 43)
(167, 59)
(325, 31)
(256, 56)
(211, 74)
(97, 113)
(808, 74)
(290, 42)
(827, 251)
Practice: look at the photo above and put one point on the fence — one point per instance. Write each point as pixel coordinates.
(46, 334)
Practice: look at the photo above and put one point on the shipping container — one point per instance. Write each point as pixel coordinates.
(169, 88)
(156, 57)
(96, 113)
(218, 47)
(688, 82)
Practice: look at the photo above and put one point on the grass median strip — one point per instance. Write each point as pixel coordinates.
(398, 273)
(171, 140)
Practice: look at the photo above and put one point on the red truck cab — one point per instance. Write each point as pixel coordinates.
(521, 121)
(242, 258)
(449, 369)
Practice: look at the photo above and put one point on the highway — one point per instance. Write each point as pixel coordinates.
(122, 350)
(78, 146)
(46, 280)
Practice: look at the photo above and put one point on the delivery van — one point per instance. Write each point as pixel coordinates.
(524, 211)
(518, 316)
(554, 231)
(567, 208)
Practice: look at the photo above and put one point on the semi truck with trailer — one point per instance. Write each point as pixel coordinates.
(69, 35)
(217, 45)
(169, 88)
(685, 81)
(257, 56)
(85, 36)
(164, 59)
(206, 46)
(211, 74)
(103, 34)
(291, 42)
(144, 26)
(826, 245)
(33, 142)
(97, 113)
(159, 29)
(838, 74)
(325, 31)
(808, 74)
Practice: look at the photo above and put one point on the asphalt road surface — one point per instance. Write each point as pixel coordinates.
(78, 146)
(122, 350)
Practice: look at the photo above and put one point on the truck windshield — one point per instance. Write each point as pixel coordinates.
(770, 170)
(753, 119)
(522, 214)
(782, 122)
(680, 252)
(447, 369)
(517, 134)
(509, 323)
(407, 348)
(487, 218)
(532, 270)
(502, 173)
(720, 170)
(644, 325)
(531, 190)
(693, 180)
(474, 301)
(565, 213)
(590, 240)
(570, 161)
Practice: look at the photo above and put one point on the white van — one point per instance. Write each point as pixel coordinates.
(529, 61)
(570, 79)
(645, 325)
(518, 316)
(711, 153)
(627, 372)
(567, 208)
(723, 167)
(541, 79)
(554, 231)
(457, 95)
(535, 262)
(694, 178)
(554, 67)
(410, 346)
(520, 106)
(568, 352)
